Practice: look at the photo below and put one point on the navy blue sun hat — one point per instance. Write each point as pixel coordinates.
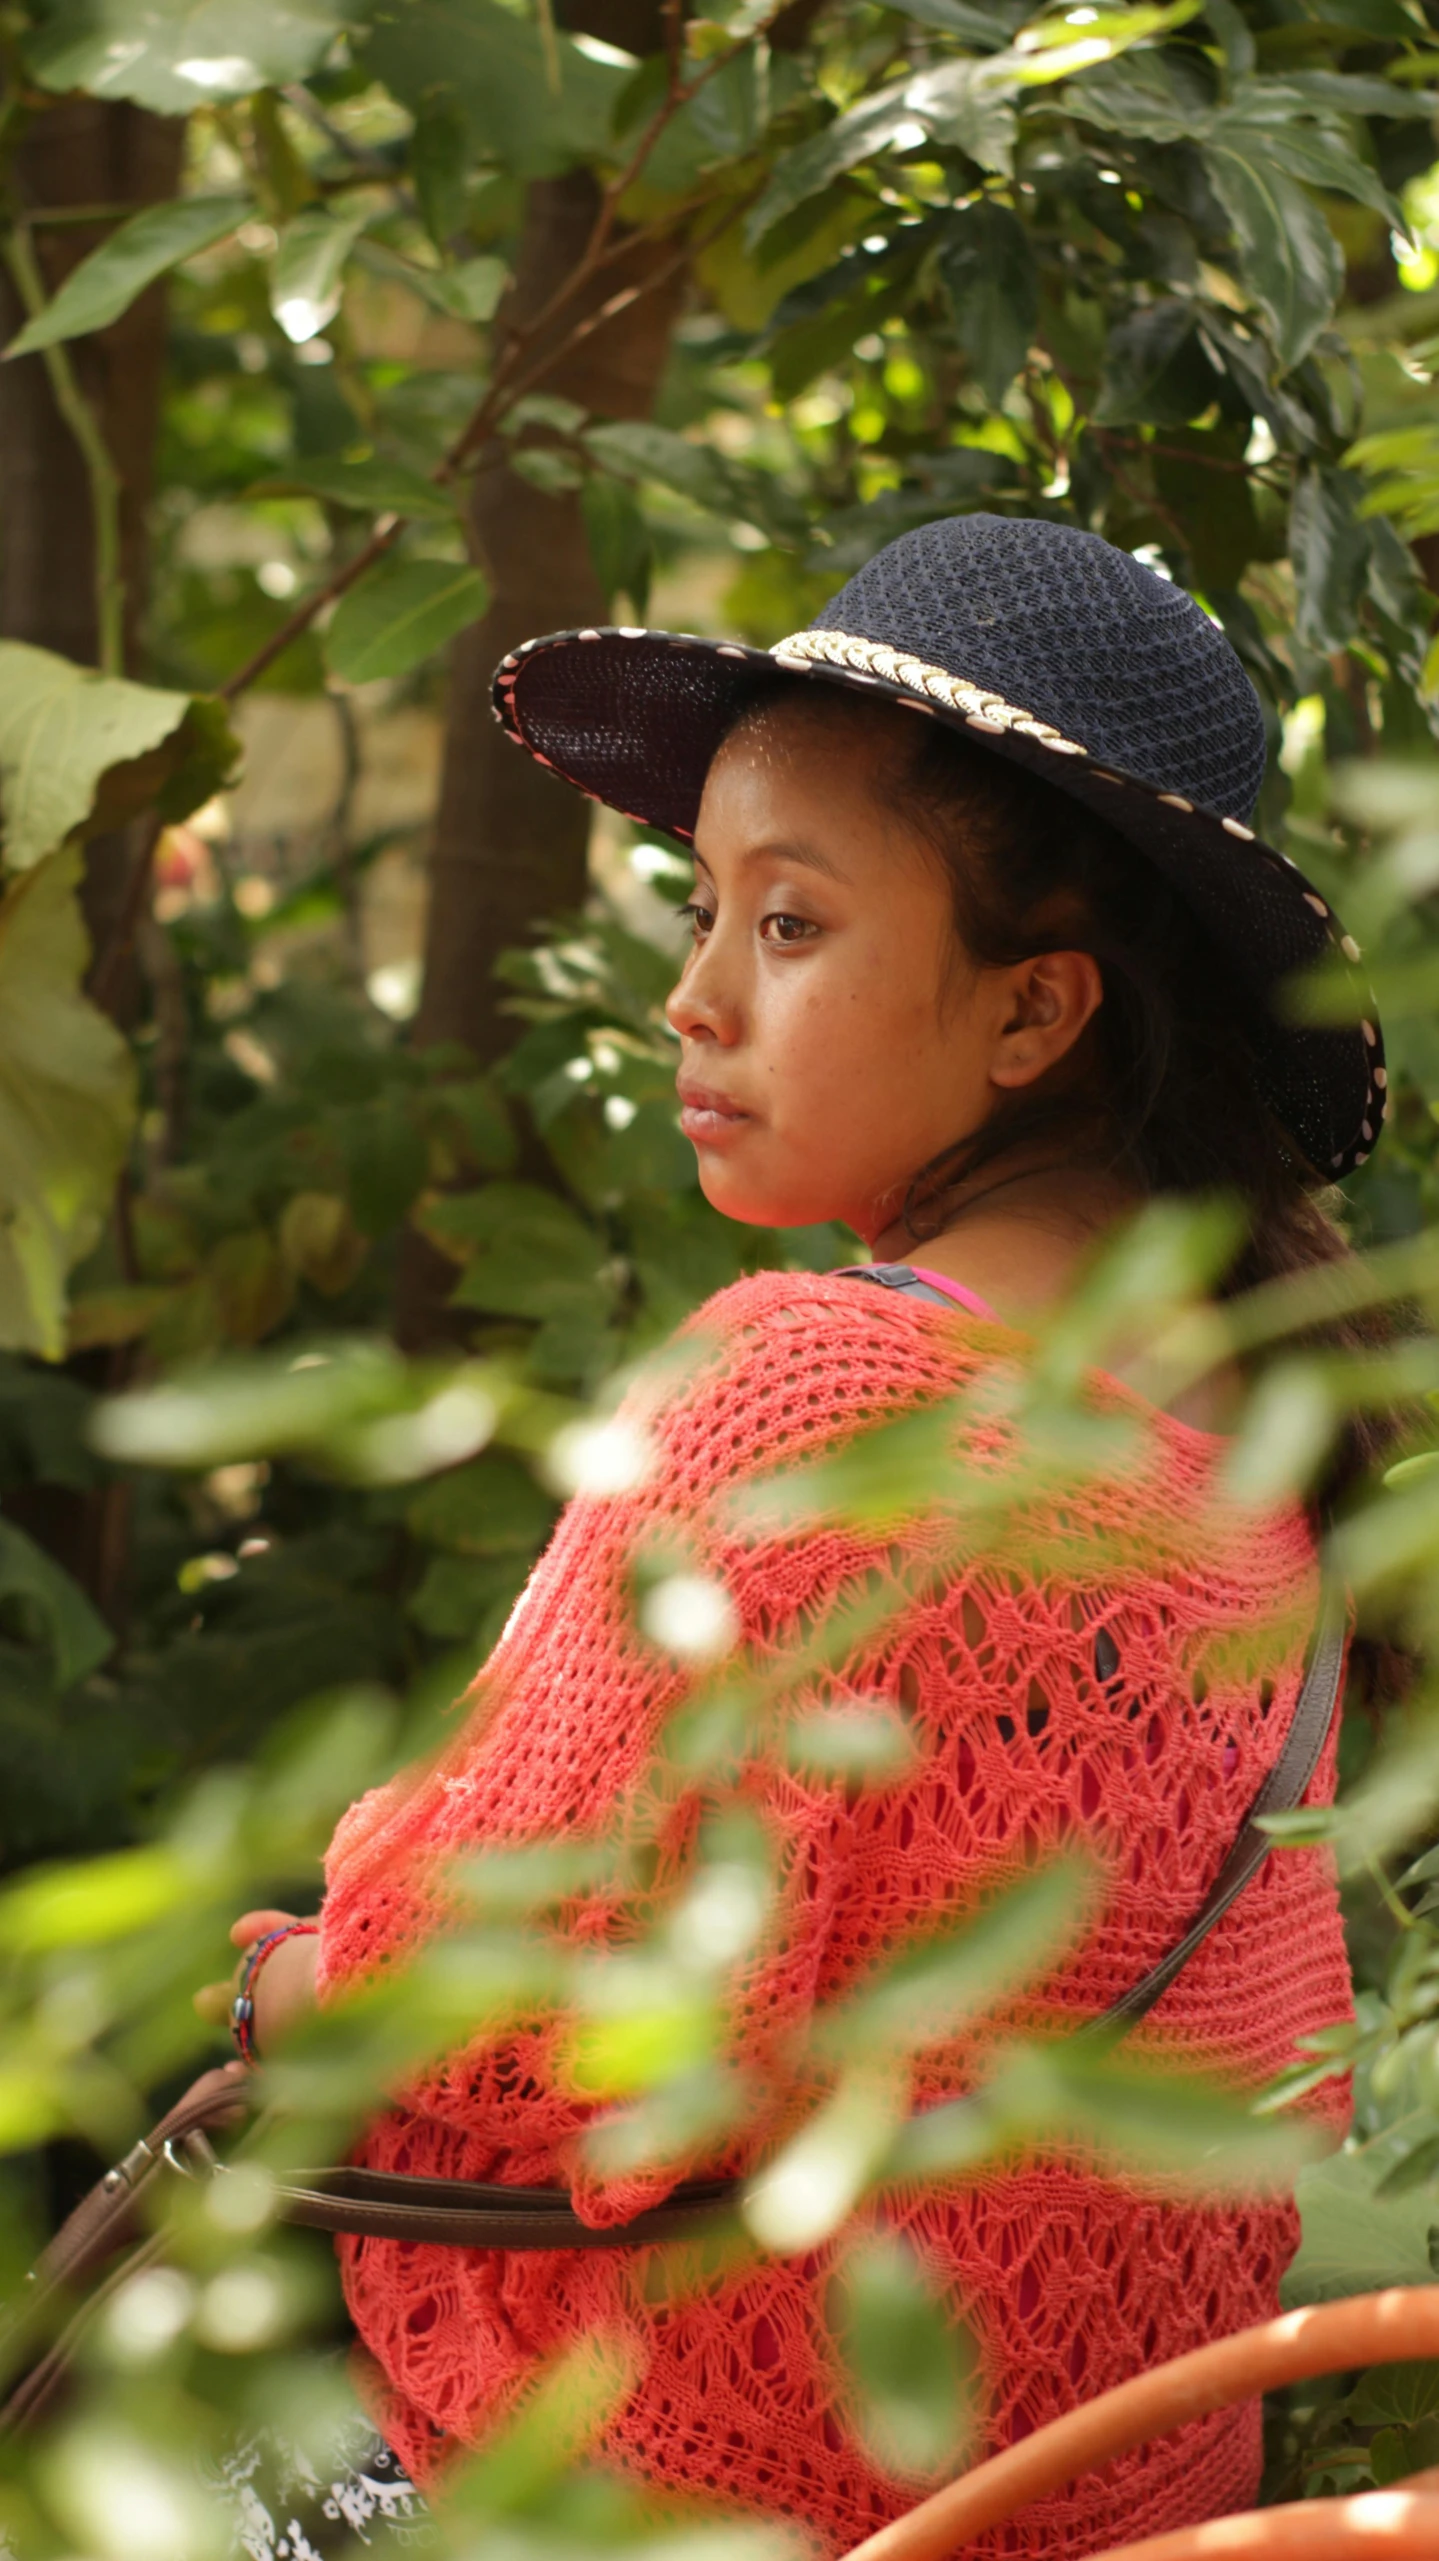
(1049, 647)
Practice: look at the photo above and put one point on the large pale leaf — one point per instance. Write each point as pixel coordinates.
(173, 55)
(401, 613)
(490, 64)
(1292, 262)
(66, 1105)
(108, 281)
(80, 751)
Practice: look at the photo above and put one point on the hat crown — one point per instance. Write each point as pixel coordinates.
(1063, 624)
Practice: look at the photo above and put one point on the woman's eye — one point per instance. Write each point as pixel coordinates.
(697, 916)
(787, 929)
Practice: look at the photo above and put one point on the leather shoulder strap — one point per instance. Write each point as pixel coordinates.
(1282, 1790)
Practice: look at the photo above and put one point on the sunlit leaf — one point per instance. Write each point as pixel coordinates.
(308, 266)
(147, 246)
(804, 2194)
(176, 55)
(94, 1900)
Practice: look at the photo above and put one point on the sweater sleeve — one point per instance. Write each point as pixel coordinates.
(564, 1730)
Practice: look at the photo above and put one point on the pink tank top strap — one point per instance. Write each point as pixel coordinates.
(913, 1280)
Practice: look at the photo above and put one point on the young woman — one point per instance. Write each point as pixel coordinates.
(983, 957)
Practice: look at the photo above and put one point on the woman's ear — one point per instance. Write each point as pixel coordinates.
(1049, 1001)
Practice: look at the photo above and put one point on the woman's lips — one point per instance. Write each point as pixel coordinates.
(706, 1117)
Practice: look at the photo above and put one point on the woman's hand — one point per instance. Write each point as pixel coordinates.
(284, 1990)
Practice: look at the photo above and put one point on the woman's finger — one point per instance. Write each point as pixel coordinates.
(212, 2003)
(258, 1925)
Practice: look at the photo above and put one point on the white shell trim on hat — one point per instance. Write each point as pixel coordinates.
(975, 703)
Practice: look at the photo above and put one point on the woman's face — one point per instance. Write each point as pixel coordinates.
(836, 1036)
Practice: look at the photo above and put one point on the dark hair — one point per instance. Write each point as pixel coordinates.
(1165, 1087)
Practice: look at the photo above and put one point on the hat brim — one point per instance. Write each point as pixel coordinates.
(633, 719)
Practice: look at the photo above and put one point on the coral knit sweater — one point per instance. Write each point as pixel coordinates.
(1025, 1740)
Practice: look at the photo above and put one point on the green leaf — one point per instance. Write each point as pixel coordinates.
(175, 55)
(1352, 2239)
(814, 164)
(526, 1251)
(987, 29)
(1155, 370)
(910, 2369)
(966, 105)
(989, 272)
(493, 1507)
(1330, 548)
(1291, 260)
(469, 291)
(78, 1637)
(439, 166)
(108, 281)
(1270, 120)
(308, 265)
(93, 1901)
(1397, 2396)
(1416, 2167)
(641, 451)
(491, 66)
(81, 751)
(355, 1407)
(374, 486)
(1145, 96)
(400, 614)
(67, 1100)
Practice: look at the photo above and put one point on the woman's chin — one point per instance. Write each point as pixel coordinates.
(756, 1205)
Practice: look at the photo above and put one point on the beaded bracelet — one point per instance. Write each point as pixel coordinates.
(242, 2008)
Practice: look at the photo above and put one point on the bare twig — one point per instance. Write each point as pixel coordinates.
(104, 479)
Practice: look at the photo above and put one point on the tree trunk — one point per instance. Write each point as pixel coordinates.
(83, 151)
(510, 841)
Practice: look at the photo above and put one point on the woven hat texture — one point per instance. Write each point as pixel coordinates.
(1082, 634)
(1055, 650)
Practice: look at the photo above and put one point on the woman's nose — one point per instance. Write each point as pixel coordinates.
(697, 1008)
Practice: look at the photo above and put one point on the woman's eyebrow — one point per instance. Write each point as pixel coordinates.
(797, 849)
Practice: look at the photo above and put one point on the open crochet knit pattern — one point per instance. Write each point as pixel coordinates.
(1027, 1736)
